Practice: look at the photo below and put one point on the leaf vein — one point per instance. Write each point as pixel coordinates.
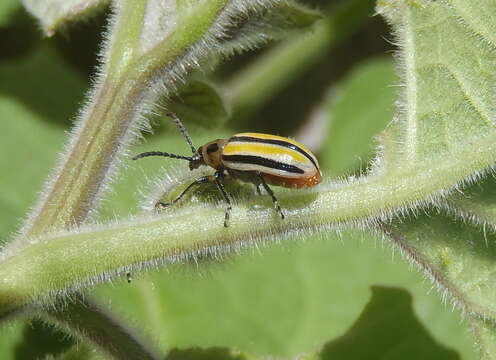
(464, 87)
(467, 21)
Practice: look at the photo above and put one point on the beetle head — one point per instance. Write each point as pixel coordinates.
(196, 160)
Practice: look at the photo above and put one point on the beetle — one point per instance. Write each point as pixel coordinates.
(261, 159)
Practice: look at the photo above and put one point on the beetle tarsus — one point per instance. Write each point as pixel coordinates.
(162, 205)
(227, 217)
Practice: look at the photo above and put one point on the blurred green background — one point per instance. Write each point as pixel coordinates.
(348, 294)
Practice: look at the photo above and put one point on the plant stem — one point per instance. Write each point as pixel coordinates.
(58, 263)
(103, 133)
(126, 36)
(115, 110)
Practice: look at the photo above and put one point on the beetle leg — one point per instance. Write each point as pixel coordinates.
(218, 176)
(271, 193)
(258, 189)
(198, 181)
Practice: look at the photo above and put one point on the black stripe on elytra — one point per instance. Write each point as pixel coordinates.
(257, 160)
(274, 142)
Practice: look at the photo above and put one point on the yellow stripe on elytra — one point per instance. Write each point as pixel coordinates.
(255, 149)
(275, 137)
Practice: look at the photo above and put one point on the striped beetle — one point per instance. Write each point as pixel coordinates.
(260, 159)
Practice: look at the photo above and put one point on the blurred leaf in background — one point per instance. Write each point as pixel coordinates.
(279, 301)
(199, 103)
(7, 9)
(39, 93)
(358, 110)
(32, 134)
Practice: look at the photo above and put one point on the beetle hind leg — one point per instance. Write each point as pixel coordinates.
(272, 195)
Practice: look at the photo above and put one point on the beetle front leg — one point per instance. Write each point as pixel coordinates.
(198, 181)
(271, 193)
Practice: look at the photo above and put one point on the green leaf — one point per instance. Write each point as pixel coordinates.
(359, 107)
(272, 71)
(40, 340)
(446, 105)
(289, 14)
(7, 10)
(31, 114)
(31, 339)
(56, 91)
(80, 351)
(476, 204)
(459, 258)
(421, 159)
(307, 279)
(31, 139)
(39, 137)
(485, 337)
(54, 14)
(447, 50)
(279, 302)
(405, 175)
(85, 319)
(200, 103)
(204, 354)
(11, 334)
(257, 27)
(387, 329)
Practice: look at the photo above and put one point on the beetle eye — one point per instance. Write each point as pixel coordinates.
(212, 148)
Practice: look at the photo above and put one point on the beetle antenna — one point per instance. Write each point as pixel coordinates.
(160, 153)
(182, 129)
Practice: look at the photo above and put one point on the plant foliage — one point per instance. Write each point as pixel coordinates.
(408, 166)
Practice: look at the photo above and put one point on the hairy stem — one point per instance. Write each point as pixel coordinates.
(126, 37)
(115, 109)
(103, 133)
(54, 264)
